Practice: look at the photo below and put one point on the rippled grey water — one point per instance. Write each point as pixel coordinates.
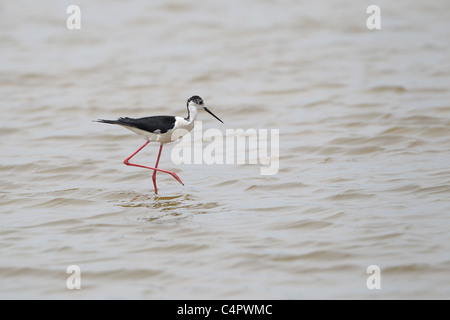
(364, 122)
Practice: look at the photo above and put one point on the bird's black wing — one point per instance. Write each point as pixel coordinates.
(156, 124)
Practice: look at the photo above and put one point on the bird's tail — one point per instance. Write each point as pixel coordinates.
(108, 121)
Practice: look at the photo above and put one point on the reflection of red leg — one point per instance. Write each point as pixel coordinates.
(173, 174)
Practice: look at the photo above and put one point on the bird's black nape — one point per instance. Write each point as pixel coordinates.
(195, 99)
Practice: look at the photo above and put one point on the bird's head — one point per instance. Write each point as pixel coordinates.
(198, 103)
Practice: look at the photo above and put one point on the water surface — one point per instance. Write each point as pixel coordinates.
(364, 178)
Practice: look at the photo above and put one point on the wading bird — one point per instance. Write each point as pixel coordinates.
(160, 129)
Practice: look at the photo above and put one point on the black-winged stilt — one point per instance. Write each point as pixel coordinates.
(159, 129)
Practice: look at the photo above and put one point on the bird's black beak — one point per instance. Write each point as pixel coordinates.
(207, 110)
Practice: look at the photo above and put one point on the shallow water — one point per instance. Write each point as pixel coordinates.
(364, 178)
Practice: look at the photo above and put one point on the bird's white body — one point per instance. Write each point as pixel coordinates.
(182, 127)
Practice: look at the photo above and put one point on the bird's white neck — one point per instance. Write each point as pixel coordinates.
(192, 112)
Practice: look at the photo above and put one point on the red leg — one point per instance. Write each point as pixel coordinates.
(156, 166)
(173, 174)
